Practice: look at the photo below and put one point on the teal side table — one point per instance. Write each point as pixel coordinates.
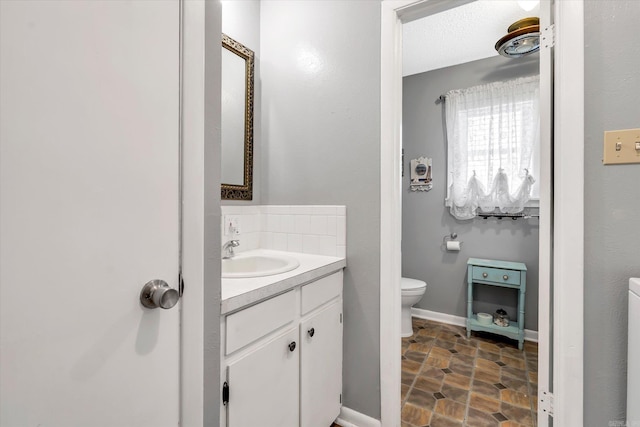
(503, 274)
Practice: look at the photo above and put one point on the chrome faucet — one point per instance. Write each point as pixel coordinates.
(227, 248)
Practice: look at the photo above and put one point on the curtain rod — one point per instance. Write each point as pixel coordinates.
(499, 215)
(441, 98)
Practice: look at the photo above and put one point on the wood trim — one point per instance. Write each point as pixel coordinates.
(545, 242)
(568, 223)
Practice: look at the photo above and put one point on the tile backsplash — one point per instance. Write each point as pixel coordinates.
(319, 230)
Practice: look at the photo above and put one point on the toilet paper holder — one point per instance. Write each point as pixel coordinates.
(449, 237)
(450, 243)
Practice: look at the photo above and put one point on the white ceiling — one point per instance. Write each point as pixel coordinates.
(462, 34)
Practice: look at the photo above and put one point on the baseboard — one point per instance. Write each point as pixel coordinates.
(450, 319)
(350, 418)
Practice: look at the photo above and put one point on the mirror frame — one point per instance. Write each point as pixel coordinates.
(244, 191)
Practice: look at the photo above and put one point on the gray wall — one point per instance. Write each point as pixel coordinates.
(241, 22)
(321, 145)
(612, 205)
(425, 219)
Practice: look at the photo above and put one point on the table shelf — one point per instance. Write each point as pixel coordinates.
(512, 331)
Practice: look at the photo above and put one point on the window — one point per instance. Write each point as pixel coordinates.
(493, 139)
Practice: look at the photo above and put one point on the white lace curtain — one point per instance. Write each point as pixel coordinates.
(492, 136)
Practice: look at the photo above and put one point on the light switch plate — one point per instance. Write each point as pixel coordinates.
(620, 147)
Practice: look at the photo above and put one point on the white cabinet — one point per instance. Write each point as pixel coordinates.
(282, 359)
(264, 384)
(321, 367)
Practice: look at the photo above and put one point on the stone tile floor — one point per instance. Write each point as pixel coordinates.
(449, 380)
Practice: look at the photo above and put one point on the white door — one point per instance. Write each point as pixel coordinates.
(89, 212)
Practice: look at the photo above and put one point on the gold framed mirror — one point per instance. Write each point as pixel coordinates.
(237, 121)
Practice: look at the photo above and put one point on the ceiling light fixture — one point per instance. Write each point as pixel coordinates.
(522, 39)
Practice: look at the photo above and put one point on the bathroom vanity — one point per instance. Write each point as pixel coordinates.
(282, 346)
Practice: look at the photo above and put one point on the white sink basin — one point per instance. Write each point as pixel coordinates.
(257, 265)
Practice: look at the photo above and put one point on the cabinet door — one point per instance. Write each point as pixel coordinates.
(321, 367)
(263, 385)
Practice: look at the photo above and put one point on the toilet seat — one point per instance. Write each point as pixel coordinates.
(407, 284)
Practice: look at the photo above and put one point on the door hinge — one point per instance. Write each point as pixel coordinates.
(340, 317)
(340, 397)
(225, 393)
(180, 285)
(545, 401)
(548, 36)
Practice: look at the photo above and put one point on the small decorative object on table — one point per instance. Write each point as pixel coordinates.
(501, 318)
(484, 318)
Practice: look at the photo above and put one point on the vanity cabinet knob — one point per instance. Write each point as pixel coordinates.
(311, 332)
(485, 275)
(505, 277)
(292, 346)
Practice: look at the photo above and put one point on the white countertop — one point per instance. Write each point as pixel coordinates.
(240, 292)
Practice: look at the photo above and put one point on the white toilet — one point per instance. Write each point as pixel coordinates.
(412, 292)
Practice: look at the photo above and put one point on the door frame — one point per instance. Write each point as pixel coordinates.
(200, 86)
(565, 236)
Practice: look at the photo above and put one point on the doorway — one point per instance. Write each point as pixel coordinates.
(567, 176)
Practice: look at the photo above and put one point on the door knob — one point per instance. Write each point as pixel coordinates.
(157, 293)
(292, 346)
(311, 332)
